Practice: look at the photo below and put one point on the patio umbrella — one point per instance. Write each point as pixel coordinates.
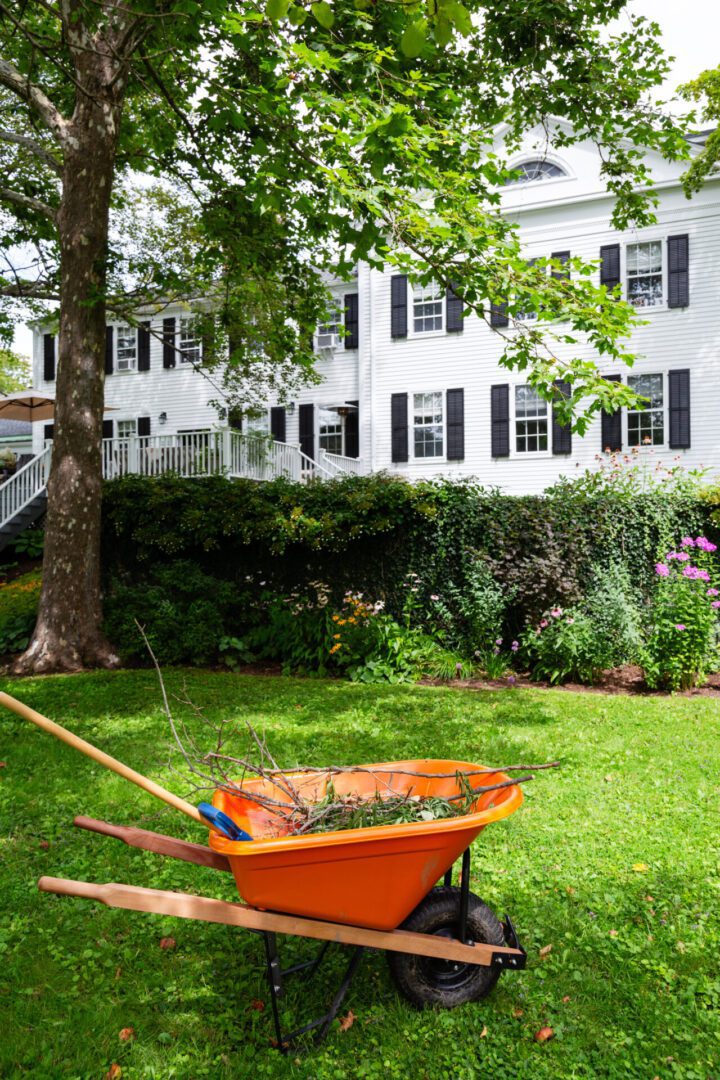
(30, 405)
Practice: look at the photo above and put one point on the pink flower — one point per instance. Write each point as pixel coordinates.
(662, 569)
(543, 624)
(434, 597)
(570, 620)
(715, 604)
(712, 592)
(681, 556)
(515, 646)
(704, 544)
(556, 612)
(687, 541)
(498, 641)
(679, 626)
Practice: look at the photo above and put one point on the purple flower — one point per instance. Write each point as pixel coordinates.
(696, 573)
(687, 541)
(715, 604)
(712, 592)
(681, 556)
(662, 569)
(498, 641)
(515, 646)
(679, 626)
(705, 545)
(511, 680)
(496, 651)
(556, 613)
(543, 624)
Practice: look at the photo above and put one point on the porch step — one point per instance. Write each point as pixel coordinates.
(24, 518)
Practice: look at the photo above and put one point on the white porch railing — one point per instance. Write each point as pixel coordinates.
(340, 465)
(27, 483)
(191, 453)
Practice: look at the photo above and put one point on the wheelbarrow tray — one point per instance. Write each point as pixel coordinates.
(369, 877)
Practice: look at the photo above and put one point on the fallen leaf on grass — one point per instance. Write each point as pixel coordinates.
(44, 844)
(613, 933)
(517, 1013)
(114, 1072)
(168, 943)
(118, 973)
(257, 1004)
(640, 867)
(346, 1022)
(3, 764)
(544, 1034)
(545, 951)
(127, 1034)
(566, 999)
(483, 1033)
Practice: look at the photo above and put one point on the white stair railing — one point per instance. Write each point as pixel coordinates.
(340, 464)
(27, 483)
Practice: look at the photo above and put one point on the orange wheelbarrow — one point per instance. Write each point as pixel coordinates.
(371, 888)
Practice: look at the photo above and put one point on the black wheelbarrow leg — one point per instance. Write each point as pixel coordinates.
(276, 975)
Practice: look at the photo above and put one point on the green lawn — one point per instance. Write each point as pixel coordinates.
(613, 861)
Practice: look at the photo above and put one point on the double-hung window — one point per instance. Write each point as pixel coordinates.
(646, 424)
(427, 308)
(328, 333)
(126, 429)
(190, 344)
(531, 421)
(644, 273)
(126, 348)
(330, 431)
(428, 425)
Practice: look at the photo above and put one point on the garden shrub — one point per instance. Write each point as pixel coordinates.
(682, 646)
(18, 611)
(613, 605)
(183, 552)
(563, 646)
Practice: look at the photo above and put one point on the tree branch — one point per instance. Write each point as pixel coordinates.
(34, 147)
(33, 96)
(29, 290)
(28, 202)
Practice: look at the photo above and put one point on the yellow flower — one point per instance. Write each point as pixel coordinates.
(352, 620)
(336, 637)
(335, 648)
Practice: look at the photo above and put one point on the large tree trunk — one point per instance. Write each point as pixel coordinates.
(68, 635)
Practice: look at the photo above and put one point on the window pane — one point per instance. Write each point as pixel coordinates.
(126, 348)
(644, 274)
(428, 425)
(190, 345)
(126, 428)
(646, 424)
(328, 333)
(531, 425)
(427, 308)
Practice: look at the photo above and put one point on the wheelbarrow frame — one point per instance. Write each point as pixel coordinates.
(270, 924)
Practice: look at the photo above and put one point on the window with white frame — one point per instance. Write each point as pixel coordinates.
(535, 169)
(329, 332)
(531, 421)
(190, 344)
(428, 425)
(126, 429)
(644, 274)
(126, 348)
(330, 431)
(646, 424)
(427, 308)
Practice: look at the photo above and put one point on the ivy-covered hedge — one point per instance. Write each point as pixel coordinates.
(192, 554)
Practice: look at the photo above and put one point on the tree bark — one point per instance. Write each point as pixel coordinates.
(68, 635)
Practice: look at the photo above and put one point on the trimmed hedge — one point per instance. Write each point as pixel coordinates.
(193, 552)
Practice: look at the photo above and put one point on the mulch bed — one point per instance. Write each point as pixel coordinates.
(622, 680)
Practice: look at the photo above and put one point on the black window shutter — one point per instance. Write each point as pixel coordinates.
(48, 360)
(143, 339)
(143, 426)
(455, 425)
(678, 271)
(399, 427)
(235, 418)
(107, 429)
(561, 433)
(352, 326)
(498, 316)
(352, 432)
(277, 423)
(453, 311)
(564, 258)
(500, 420)
(169, 358)
(208, 338)
(49, 430)
(610, 266)
(108, 350)
(611, 425)
(679, 394)
(306, 420)
(398, 301)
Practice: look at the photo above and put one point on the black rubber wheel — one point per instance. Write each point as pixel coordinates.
(425, 981)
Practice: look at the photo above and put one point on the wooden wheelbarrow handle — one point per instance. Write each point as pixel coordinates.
(185, 906)
(157, 842)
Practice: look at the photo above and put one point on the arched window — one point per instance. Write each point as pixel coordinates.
(536, 169)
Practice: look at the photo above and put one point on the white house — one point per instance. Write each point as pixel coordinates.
(414, 388)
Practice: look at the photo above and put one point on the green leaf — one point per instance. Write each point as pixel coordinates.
(323, 13)
(297, 15)
(413, 40)
(276, 9)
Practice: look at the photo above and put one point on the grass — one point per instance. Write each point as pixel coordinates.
(612, 861)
